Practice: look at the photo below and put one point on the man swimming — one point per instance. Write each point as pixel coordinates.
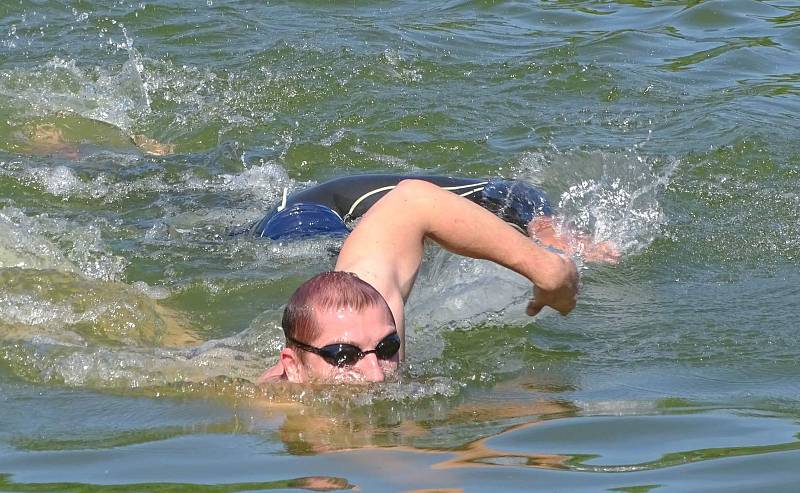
(348, 324)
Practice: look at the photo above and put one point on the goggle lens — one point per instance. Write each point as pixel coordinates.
(348, 355)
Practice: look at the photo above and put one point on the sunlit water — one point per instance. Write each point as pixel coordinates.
(135, 136)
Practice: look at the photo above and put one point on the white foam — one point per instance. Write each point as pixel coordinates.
(31, 310)
(54, 359)
(153, 292)
(22, 244)
(333, 138)
(35, 243)
(266, 182)
(60, 180)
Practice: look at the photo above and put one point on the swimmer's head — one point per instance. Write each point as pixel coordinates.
(338, 328)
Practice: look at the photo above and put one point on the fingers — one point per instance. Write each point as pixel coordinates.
(562, 283)
(534, 307)
(564, 311)
(562, 302)
(563, 307)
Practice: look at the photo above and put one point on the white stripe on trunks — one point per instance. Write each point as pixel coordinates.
(384, 189)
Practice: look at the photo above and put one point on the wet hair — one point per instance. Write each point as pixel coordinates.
(327, 291)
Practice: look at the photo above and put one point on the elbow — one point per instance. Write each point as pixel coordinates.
(413, 192)
(415, 199)
(414, 187)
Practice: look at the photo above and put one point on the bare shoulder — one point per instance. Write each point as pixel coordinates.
(385, 248)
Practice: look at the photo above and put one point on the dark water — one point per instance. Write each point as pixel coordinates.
(135, 135)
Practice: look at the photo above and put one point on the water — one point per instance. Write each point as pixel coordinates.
(135, 135)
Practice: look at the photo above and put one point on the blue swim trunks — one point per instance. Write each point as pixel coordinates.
(301, 220)
(325, 208)
(514, 201)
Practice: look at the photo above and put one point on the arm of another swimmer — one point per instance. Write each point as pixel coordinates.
(386, 247)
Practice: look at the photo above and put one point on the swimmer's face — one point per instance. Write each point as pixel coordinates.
(364, 329)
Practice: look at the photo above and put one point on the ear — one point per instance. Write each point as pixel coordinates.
(292, 365)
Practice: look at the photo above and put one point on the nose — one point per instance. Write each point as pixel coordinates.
(371, 368)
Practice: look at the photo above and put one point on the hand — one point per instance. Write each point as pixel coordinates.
(605, 252)
(563, 239)
(561, 289)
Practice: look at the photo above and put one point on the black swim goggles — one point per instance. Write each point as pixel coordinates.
(342, 355)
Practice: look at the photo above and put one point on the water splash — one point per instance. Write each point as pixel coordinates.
(94, 333)
(23, 246)
(50, 243)
(65, 89)
(611, 196)
(114, 96)
(136, 60)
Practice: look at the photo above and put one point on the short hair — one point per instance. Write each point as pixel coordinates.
(327, 291)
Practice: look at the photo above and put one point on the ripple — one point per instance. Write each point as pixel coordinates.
(582, 444)
(685, 62)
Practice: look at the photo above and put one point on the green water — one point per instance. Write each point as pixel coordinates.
(132, 326)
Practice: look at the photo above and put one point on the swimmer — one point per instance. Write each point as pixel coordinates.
(348, 324)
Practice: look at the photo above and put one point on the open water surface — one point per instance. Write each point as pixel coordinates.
(132, 326)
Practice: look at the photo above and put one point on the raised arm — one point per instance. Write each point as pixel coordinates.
(386, 247)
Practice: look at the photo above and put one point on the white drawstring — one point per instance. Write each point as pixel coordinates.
(283, 202)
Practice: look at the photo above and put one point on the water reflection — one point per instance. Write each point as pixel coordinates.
(604, 444)
(311, 483)
(688, 61)
(544, 434)
(434, 424)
